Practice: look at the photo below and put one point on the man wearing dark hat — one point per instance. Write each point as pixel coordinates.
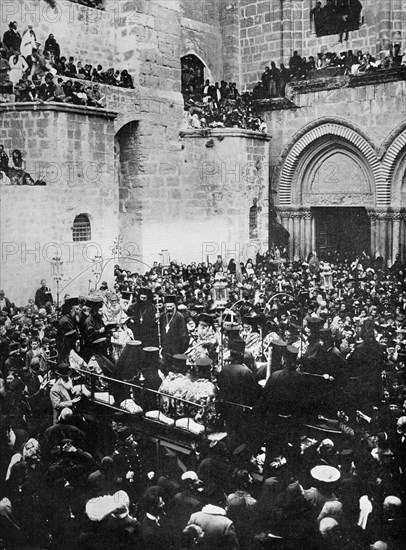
(94, 327)
(63, 394)
(68, 322)
(43, 295)
(365, 364)
(143, 316)
(237, 385)
(311, 356)
(12, 38)
(173, 331)
(281, 404)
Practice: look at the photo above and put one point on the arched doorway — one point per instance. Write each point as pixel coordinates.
(193, 74)
(127, 170)
(327, 191)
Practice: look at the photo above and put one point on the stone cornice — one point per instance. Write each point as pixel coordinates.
(223, 132)
(58, 108)
(336, 82)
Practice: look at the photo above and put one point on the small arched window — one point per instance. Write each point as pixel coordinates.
(253, 227)
(81, 230)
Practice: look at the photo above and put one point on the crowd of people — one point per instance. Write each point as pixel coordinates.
(34, 73)
(296, 369)
(336, 17)
(12, 169)
(223, 107)
(218, 105)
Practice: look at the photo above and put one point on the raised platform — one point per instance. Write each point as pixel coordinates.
(57, 106)
(221, 133)
(380, 76)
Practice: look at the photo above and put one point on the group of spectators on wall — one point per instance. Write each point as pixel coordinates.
(333, 335)
(222, 106)
(215, 100)
(33, 73)
(324, 65)
(13, 170)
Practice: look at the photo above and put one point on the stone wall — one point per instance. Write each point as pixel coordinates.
(271, 31)
(220, 174)
(377, 110)
(71, 149)
(87, 34)
(348, 142)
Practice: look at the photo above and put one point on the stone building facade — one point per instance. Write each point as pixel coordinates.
(334, 157)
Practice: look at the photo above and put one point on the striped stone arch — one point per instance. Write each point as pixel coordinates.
(338, 129)
(390, 159)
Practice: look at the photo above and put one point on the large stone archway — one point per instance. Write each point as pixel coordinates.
(331, 166)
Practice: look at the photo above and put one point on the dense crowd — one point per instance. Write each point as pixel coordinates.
(34, 73)
(224, 107)
(297, 369)
(214, 105)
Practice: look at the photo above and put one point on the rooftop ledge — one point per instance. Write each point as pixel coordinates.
(57, 107)
(221, 133)
(333, 82)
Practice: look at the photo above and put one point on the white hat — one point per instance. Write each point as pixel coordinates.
(327, 474)
(189, 475)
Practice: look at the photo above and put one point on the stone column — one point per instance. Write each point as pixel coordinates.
(374, 236)
(396, 226)
(307, 221)
(383, 244)
(296, 235)
(313, 236)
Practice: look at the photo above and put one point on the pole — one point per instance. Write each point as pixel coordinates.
(158, 323)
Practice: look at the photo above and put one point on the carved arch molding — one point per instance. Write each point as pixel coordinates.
(381, 169)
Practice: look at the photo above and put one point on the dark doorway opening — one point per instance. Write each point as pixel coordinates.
(342, 233)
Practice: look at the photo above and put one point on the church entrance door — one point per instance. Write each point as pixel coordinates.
(342, 232)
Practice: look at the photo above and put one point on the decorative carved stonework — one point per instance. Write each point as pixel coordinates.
(338, 199)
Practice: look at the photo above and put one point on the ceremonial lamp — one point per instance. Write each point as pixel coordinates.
(97, 270)
(56, 273)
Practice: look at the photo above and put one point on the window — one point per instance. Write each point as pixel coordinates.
(336, 17)
(81, 229)
(253, 230)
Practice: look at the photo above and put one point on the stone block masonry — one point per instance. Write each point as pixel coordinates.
(76, 159)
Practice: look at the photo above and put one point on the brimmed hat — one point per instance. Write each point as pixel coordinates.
(292, 350)
(237, 346)
(190, 475)
(99, 340)
(63, 370)
(145, 291)
(69, 304)
(326, 474)
(94, 302)
(204, 362)
(314, 321)
(206, 318)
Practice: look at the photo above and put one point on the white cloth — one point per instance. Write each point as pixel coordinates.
(17, 68)
(28, 43)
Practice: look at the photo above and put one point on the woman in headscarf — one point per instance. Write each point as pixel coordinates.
(52, 46)
(28, 45)
(18, 66)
